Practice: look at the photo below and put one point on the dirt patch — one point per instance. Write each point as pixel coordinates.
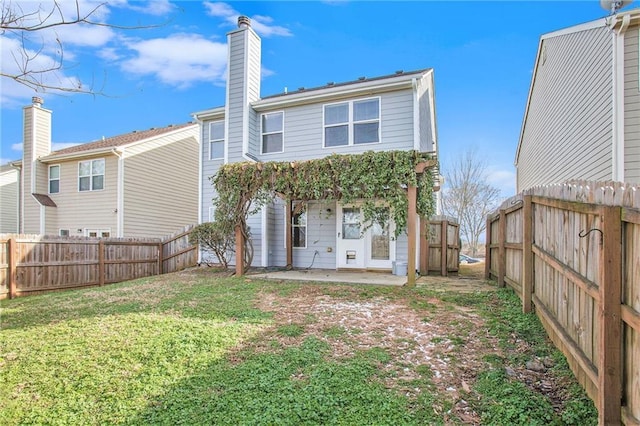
(419, 335)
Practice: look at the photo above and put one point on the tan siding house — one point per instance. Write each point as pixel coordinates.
(9, 199)
(582, 119)
(140, 184)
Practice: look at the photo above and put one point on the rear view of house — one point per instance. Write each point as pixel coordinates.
(140, 184)
(386, 113)
(582, 118)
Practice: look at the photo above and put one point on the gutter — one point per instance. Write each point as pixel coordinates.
(120, 193)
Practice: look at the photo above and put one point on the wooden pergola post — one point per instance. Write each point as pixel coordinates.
(239, 251)
(289, 242)
(412, 193)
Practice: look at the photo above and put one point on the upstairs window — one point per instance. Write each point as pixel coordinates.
(352, 123)
(216, 140)
(91, 175)
(54, 179)
(272, 132)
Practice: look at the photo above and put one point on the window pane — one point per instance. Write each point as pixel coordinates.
(272, 123)
(272, 143)
(216, 150)
(300, 219)
(84, 183)
(350, 231)
(54, 186)
(365, 133)
(336, 136)
(365, 110)
(85, 168)
(336, 114)
(299, 236)
(105, 234)
(216, 130)
(98, 182)
(97, 167)
(54, 172)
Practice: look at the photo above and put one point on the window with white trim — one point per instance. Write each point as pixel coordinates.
(352, 123)
(54, 179)
(272, 130)
(91, 175)
(216, 140)
(299, 224)
(64, 232)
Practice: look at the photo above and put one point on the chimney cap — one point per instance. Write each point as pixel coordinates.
(37, 100)
(244, 21)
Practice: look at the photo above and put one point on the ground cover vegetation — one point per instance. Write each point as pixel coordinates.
(199, 347)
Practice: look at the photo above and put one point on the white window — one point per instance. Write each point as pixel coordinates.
(212, 214)
(298, 225)
(91, 175)
(352, 123)
(64, 232)
(216, 140)
(272, 132)
(97, 233)
(54, 179)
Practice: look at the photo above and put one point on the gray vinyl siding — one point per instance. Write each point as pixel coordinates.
(235, 96)
(631, 108)
(321, 236)
(161, 184)
(567, 132)
(426, 132)
(209, 169)
(303, 129)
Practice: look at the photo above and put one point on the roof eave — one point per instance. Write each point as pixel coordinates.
(209, 114)
(80, 154)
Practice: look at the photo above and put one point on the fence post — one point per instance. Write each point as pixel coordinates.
(502, 236)
(13, 261)
(444, 246)
(160, 258)
(101, 262)
(527, 253)
(487, 249)
(609, 315)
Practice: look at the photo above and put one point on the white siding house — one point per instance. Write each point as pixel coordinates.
(393, 112)
(582, 119)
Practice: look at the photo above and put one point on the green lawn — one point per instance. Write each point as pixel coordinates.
(200, 348)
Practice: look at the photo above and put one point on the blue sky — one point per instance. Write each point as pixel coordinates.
(482, 52)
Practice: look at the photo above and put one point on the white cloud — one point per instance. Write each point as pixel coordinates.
(154, 7)
(179, 60)
(261, 24)
(17, 147)
(505, 180)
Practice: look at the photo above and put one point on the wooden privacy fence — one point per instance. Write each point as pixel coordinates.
(572, 253)
(440, 246)
(32, 263)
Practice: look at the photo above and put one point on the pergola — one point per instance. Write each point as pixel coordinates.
(412, 231)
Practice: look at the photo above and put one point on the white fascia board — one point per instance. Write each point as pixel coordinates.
(161, 135)
(209, 114)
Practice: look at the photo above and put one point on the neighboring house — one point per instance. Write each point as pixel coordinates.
(394, 112)
(9, 199)
(582, 119)
(140, 184)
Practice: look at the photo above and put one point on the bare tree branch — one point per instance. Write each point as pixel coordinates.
(469, 197)
(31, 66)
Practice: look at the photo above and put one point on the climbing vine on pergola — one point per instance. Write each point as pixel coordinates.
(375, 178)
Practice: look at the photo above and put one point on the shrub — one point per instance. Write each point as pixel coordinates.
(214, 239)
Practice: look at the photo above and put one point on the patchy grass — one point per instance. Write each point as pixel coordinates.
(201, 348)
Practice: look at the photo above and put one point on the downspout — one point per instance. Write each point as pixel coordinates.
(617, 148)
(19, 217)
(201, 171)
(119, 193)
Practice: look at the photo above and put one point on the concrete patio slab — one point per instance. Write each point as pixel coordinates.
(328, 275)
